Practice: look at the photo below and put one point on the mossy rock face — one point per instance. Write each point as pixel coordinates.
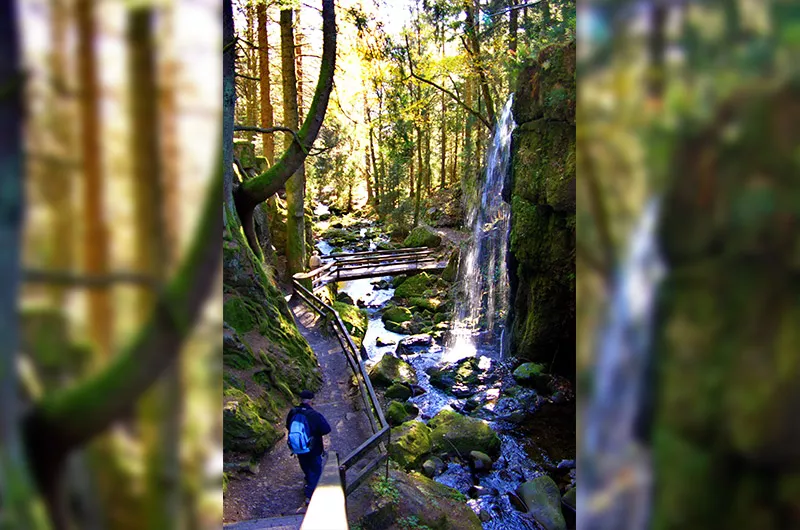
(422, 236)
(533, 375)
(414, 286)
(244, 430)
(259, 334)
(542, 196)
(396, 315)
(543, 499)
(727, 334)
(410, 442)
(546, 86)
(450, 272)
(390, 369)
(453, 433)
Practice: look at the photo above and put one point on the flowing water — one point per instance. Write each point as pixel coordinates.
(482, 306)
(615, 471)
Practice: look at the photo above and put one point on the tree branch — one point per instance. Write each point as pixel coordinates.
(453, 96)
(79, 280)
(248, 77)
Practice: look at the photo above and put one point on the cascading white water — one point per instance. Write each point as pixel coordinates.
(614, 470)
(482, 306)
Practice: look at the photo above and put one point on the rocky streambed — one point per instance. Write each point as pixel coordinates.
(501, 434)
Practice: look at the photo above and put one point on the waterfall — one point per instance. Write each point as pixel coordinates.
(614, 467)
(482, 304)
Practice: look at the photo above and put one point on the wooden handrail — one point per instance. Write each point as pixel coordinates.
(328, 507)
(397, 251)
(364, 448)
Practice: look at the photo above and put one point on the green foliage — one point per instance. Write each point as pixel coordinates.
(412, 523)
(385, 489)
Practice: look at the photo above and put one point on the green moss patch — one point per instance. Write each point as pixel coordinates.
(455, 434)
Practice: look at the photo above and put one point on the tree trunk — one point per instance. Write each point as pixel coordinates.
(474, 50)
(454, 156)
(443, 131)
(96, 245)
(512, 37)
(160, 411)
(267, 118)
(228, 106)
(295, 186)
(22, 506)
(374, 166)
(419, 175)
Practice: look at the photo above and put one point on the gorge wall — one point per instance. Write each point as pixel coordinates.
(541, 191)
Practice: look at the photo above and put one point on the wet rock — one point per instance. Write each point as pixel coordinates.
(516, 502)
(397, 280)
(390, 369)
(387, 341)
(480, 461)
(382, 284)
(462, 378)
(398, 391)
(413, 344)
(419, 325)
(345, 298)
(409, 443)
(455, 434)
(566, 464)
(396, 314)
(533, 375)
(432, 466)
(403, 327)
(569, 498)
(543, 501)
(451, 271)
(485, 516)
(422, 236)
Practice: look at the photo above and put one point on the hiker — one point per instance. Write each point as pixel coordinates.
(314, 261)
(306, 428)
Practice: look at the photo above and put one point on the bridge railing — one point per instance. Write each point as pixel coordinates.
(380, 427)
(349, 265)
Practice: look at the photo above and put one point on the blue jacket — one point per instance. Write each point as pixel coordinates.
(317, 424)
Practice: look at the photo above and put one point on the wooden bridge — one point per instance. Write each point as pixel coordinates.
(353, 266)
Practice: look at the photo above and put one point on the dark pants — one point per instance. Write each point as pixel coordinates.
(312, 469)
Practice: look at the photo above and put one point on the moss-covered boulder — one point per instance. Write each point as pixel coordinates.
(533, 375)
(422, 236)
(398, 391)
(396, 413)
(427, 304)
(569, 498)
(244, 428)
(432, 466)
(543, 500)
(725, 436)
(390, 370)
(453, 433)
(462, 378)
(409, 443)
(396, 314)
(410, 501)
(354, 318)
(450, 272)
(415, 286)
(542, 196)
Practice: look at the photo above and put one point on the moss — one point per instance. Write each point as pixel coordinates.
(409, 443)
(244, 430)
(546, 86)
(237, 313)
(398, 391)
(450, 272)
(396, 314)
(230, 380)
(543, 168)
(245, 152)
(391, 369)
(396, 413)
(532, 374)
(431, 304)
(354, 318)
(455, 434)
(543, 499)
(414, 286)
(422, 236)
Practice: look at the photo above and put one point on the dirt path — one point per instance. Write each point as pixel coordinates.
(276, 488)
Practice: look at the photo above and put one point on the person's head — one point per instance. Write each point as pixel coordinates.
(306, 396)
(315, 253)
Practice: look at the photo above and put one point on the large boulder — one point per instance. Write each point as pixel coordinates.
(410, 500)
(390, 369)
(543, 500)
(461, 378)
(396, 315)
(244, 430)
(533, 375)
(422, 236)
(410, 442)
(455, 434)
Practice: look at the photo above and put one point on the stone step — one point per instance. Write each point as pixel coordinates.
(289, 522)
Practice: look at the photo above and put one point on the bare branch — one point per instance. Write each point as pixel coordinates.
(91, 282)
(243, 76)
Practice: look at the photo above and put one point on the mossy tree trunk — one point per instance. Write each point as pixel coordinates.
(295, 186)
(22, 506)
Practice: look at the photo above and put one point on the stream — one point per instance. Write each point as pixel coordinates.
(523, 457)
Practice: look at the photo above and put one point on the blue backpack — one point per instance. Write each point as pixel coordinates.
(299, 434)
